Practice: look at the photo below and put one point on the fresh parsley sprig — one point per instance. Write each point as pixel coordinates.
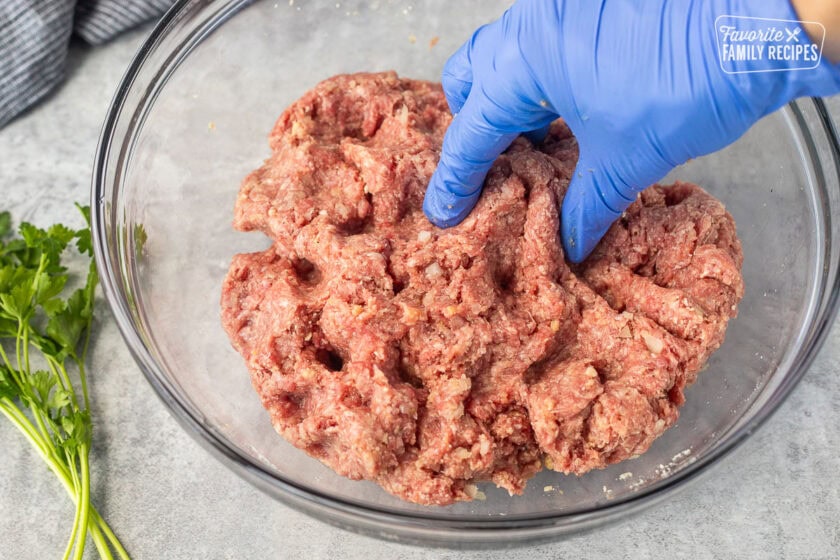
(44, 340)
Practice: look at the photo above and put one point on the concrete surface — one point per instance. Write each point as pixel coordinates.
(167, 498)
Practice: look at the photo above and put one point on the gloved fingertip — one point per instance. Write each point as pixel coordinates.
(442, 207)
(580, 237)
(538, 135)
(585, 218)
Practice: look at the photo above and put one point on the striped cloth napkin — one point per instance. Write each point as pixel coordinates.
(35, 35)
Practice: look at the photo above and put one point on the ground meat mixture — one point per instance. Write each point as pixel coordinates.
(427, 359)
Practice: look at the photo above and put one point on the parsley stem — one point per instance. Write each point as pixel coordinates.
(42, 447)
(77, 517)
(92, 281)
(60, 373)
(19, 420)
(85, 497)
(69, 549)
(25, 328)
(99, 529)
(80, 363)
(115, 542)
(6, 360)
(18, 378)
(40, 422)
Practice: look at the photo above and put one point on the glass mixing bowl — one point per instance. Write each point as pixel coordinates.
(190, 120)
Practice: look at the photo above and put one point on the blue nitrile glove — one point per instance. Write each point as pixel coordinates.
(640, 83)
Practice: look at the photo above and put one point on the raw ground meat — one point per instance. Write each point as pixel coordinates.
(428, 359)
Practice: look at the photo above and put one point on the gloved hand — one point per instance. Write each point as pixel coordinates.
(640, 84)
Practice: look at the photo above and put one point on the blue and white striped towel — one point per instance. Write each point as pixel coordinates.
(35, 34)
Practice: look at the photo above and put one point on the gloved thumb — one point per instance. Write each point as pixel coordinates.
(594, 200)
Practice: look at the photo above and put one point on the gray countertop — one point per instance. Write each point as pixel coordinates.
(167, 498)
